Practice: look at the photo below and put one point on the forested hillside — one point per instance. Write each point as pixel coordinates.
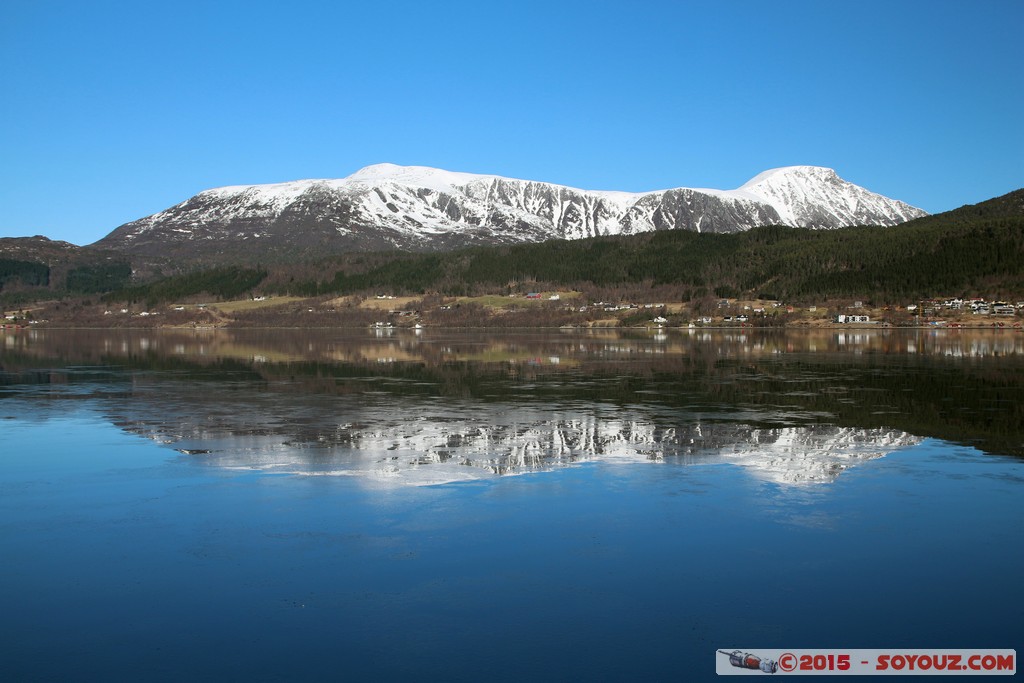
(976, 249)
(223, 283)
(16, 273)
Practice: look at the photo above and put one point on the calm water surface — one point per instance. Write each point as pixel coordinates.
(290, 505)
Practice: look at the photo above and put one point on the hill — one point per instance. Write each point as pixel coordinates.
(38, 267)
(976, 250)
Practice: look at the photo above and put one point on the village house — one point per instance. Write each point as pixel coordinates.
(1003, 308)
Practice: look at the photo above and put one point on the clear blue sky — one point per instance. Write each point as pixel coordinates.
(111, 111)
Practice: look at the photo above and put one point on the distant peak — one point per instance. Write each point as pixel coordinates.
(817, 172)
(393, 171)
(419, 176)
(378, 171)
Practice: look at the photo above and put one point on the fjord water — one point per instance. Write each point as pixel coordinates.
(384, 505)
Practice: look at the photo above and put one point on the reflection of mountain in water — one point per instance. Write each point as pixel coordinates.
(520, 401)
(460, 441)
(811, 455)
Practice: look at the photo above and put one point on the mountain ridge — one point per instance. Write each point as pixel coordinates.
(418, 208)
(972, 250)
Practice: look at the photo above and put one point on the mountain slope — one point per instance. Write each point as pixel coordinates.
(954, 253)
(424, 209)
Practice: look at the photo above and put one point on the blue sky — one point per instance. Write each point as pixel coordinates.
(112, 111)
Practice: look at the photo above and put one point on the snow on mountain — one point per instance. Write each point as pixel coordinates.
(416, 207)
(815, 197)
(416, 176)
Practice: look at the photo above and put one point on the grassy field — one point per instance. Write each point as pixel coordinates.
(501, 303)
(392, 304)
(494, 302)
(229, 307)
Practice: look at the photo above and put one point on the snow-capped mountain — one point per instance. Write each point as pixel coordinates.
(414, 207)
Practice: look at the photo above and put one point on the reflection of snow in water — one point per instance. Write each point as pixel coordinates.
(812, 455)
(457, 443)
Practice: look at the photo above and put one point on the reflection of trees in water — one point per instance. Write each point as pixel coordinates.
(963, 387)
(982, 405)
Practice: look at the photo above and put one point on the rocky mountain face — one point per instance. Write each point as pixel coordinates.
(418, 208)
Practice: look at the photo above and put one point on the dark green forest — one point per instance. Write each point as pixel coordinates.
(98, 278)
(225, 283)
(24, 273)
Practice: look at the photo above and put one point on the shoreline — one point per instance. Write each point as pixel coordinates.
(798, 327)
